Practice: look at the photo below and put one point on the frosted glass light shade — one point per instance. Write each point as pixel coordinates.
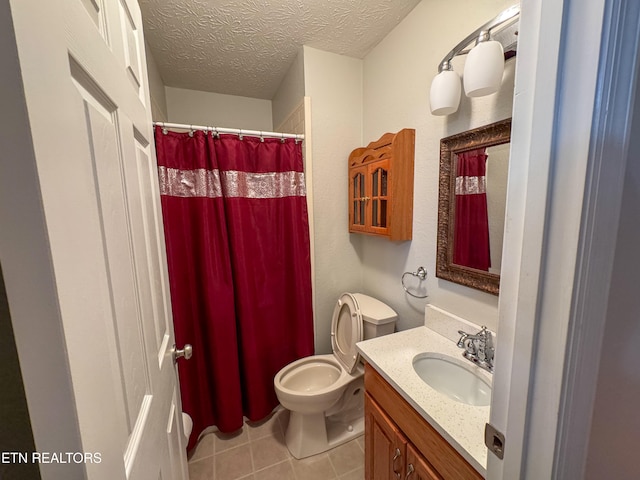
(445, 93)
(483, 69)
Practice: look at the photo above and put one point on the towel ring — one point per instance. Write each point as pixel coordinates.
(421, 273)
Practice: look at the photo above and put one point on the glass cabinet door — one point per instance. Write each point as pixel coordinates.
(379, 173)
(358, 197)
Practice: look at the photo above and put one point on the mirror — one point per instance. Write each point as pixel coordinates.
(471, 205)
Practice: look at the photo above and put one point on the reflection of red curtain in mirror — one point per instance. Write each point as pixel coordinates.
(471, 239)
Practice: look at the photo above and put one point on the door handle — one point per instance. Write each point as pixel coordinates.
(397, 455)
(410, 470)
(186, 352)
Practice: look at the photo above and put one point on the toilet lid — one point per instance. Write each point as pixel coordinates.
(346, 331)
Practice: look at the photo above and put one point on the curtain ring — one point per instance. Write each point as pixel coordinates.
(164, 128)
(240, 136)
(191, 131)
(215, 133)
(261, 137)
(282, 139)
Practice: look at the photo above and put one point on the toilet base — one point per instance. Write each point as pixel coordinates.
(311, 434)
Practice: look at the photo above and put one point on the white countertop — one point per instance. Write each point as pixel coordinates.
(460, 424)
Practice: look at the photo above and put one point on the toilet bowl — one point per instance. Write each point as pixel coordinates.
(325, 393)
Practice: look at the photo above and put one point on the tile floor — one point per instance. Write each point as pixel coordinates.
(258, 452)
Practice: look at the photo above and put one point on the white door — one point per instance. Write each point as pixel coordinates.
(82, 67)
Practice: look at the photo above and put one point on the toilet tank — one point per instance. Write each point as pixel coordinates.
(378, 318)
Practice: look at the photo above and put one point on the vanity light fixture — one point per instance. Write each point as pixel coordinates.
(483, 68)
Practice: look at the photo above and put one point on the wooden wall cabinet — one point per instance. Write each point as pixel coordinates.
(381, 186)
(400, 444)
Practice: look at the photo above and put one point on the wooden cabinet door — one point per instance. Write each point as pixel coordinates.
(379, 205)
(418, 468)
(385, 446)
(370, 198)
(358, 196)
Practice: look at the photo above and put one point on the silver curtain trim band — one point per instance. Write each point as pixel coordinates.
(263, 185)
(189, 183)
(212, 183)
(470, 185)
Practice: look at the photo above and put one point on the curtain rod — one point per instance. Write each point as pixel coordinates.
(236, 131)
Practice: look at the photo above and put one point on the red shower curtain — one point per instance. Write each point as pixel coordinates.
(471, 239)
(236, 227)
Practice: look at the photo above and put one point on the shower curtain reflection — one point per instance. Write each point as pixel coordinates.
(471, 240)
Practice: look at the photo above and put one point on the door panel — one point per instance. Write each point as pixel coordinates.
(145, 173)
(385, 445)
(95, 168)
(104, 138)
(131, 53)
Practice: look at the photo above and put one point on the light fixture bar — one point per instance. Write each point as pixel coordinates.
(504, 19)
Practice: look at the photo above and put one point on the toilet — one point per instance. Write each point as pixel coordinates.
(325, 393)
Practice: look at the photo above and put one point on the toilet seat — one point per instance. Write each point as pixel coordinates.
(346, 331)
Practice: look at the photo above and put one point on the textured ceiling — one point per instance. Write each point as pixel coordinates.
(246, 47)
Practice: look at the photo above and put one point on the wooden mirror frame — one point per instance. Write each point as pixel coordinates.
(496, 133)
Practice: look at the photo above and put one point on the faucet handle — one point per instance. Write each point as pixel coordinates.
(462, 338)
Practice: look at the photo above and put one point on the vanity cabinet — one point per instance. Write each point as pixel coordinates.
(381, 186)
(390, 456)
(385, 444)
(418, 468)
(400, 444)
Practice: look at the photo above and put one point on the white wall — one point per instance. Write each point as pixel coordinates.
(290, 92)
(334, 84)
(615, 428)
(397, 75)
(156, 89)
(215, 109)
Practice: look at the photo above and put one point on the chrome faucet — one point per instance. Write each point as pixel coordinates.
(478, 348)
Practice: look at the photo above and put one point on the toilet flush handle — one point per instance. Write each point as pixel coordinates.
(186, 352)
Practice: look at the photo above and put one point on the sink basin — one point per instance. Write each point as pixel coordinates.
(451, 377)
